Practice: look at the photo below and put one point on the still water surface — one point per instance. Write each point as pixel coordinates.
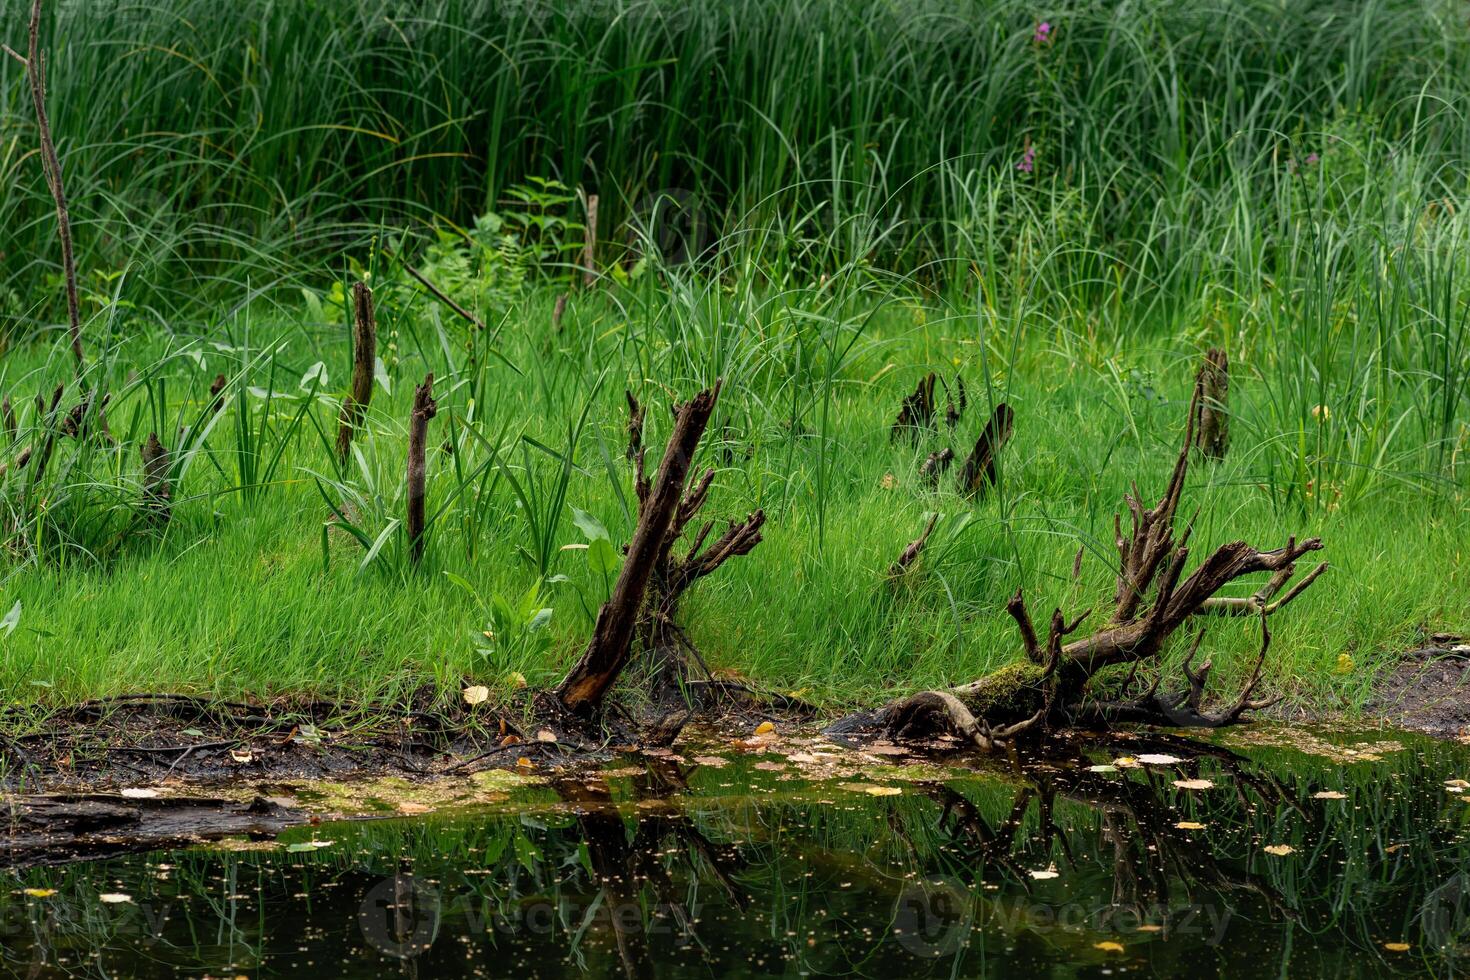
(1280, 852)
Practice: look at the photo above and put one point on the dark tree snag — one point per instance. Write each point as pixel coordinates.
(589, 246)
(558, 310)
(424, 409)
(7, 413)
(912, 552)
(1153, 599)
(364, 351)
(936, 466)
(635, 426)
(77, 422)
(1213, 438)
(157, 498)
(50, 422)
(216, 394)
(979, 471)
(917, 412)
(954, 412)
(582, 690)
(35, 63)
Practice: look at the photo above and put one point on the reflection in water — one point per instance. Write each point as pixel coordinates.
(1114, 859)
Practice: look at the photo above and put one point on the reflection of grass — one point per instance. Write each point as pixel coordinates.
(1378, 866)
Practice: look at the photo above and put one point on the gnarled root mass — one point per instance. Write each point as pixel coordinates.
(1153, 600)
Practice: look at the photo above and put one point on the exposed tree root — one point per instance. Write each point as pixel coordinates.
(1152, 601)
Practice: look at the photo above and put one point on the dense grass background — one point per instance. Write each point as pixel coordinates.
(818, 201)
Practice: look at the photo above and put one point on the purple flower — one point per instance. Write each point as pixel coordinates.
(1028, 160)
(1043, 33)
(1312, 159)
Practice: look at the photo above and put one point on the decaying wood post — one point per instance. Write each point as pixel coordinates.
(35, 64)
(913, 551)
(916, 413)
(635, 426)
(364, 353)
(558, 310)
(582, 690)
(156, 493)
(589, 247)
(1213, 438)
(424, 409)
(979, 471)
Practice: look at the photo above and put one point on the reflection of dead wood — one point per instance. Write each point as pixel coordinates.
(364, 355)
(917, 412)
(979, 472)
(1152, 600)
(57, 830)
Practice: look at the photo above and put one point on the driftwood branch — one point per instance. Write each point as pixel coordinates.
(424, 409)
(364, 353)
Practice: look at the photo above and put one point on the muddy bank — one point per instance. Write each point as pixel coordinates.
(1428, 691)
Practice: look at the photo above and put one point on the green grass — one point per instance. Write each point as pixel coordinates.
(1284, 180)
(237, 596)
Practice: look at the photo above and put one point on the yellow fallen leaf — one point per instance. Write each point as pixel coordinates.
(1344, 664)
(1126, 762)
(1397, 947)
(524, 763)
(765, 728)
(1280, 850)
(1046, 875)
(1108, 946)
(40, 892)
(883, 791)
(411, 808)
(139, 794)
(1159, 760)
(114, 898)
(478, 694)
(242, 756)
(546, 735)
(1194, 784)
(713, 761)
(516, 679)
(1189, 825)
(1329, 794)
(1150, 927)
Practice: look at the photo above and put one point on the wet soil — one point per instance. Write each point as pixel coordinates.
(1429, 692)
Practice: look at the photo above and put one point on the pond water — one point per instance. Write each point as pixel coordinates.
(1267, 852)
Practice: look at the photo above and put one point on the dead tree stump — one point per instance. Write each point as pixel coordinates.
(424, 409)
(1213, 437)
(979, 472)
(916, 413)
(364, 353)
(157, 496)
(589, 680)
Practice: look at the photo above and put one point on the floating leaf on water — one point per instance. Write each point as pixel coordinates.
(777, 767)
(1159, 760)
(1150, 927)
(1108, 946)
(883, 791)
(1280, 850)
(1194, 784)
(1102, 768)
(413, 809)
(765, 728)
(1189, 825)
(40, 892)
(1397, 947)
(478, 694)
(114, 898)
(804, 758)
(1046, 875)
(1329, 794)
(713, 761)
(1126, 762)
(310, 845)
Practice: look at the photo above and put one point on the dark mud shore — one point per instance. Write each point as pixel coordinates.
(175, 740)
